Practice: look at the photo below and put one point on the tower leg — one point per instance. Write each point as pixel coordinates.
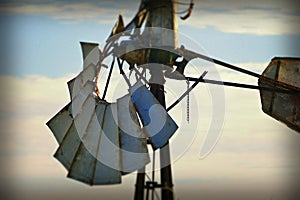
(140, 185)
(166, 174)
(165, 161)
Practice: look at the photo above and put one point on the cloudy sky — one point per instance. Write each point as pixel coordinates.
(256, 156)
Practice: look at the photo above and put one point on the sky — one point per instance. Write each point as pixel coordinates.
(256, 157)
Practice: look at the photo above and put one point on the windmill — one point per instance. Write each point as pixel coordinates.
(102, 141)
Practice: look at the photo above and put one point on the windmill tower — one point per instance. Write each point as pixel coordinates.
(161, 14)
(102, 141)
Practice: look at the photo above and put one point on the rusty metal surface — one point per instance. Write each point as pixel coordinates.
(284, 107)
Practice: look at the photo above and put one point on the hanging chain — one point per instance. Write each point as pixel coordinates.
(153, 175)
(188, 103)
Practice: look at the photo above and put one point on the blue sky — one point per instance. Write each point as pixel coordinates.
(32, 33)
(41, 52)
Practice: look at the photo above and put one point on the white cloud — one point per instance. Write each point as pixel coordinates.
(246, 21)
(245, 17)
(103, 12)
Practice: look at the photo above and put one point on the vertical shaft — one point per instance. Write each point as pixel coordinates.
(165, 161)
(140, 185)
(161, 15)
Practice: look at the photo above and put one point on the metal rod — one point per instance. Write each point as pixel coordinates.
(108, 78)
(218, 62)
(240, 85)
(120, 64)
(187, 92)
(153, 175)
(165, 160)
(162, 16)
(140, 75)
(139, 186)
(192, 54)
(147, 190)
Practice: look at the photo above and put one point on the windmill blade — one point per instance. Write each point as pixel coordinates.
(283, 106)
(84, 158)
(58, 128)
(90, 53)
(133, 141)
(97, 160)
(100, 141)
(95, 150)
(79, 82)
(68, 147)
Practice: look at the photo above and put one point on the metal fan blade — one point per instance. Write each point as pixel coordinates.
(76, 84)
(133, 142)
(97, 144)
(108, 150)
(86, 167)
(90, 53)
(283, 106)
(61, 123)
(79, 100)
(82, 168)
(66, 152)
(70, 143)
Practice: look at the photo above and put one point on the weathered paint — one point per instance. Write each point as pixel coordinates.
(107, 171)
(133, 142)
(79, 100)
(90, 53)
(60, 123)
(82, 166)
(83, 119)
(94, 147)
(92, 137)
(284, 107)
(87, 75)
(87, 47)
(68, 148)
(158, 124)
(85, 167)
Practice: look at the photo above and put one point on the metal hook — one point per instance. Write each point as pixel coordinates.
(189, 11)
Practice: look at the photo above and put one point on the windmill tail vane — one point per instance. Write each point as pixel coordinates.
(101, 141)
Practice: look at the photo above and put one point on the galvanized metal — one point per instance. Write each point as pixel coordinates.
(284, 107)
(68, 148)
(133, 141)
(98, 142)
(79, 100)
(89, 165)
(94, 147)
(87, 75)
(90, 53)
(58, 128)
(107, 171)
